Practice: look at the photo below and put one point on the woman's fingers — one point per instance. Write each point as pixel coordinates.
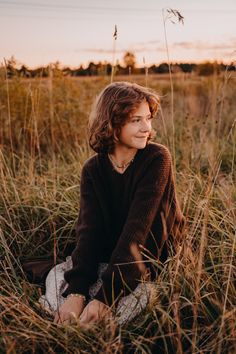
(86, 316)
(94, 311)
(56, 317)
(69, 311)
(89, 315)
(65, 318)
(59, 317)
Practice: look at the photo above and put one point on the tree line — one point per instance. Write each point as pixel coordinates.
(12, 69)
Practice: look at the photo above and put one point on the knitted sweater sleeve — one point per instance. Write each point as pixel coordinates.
(85, 256)
(123, 273)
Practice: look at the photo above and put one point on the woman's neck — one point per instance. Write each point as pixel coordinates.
(122, 155)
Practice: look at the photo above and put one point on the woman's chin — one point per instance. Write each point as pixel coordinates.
(137, 144)
(141, 144)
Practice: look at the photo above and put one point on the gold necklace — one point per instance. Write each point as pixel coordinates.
(121, 166)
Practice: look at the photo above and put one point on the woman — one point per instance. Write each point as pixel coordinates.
(128, 205)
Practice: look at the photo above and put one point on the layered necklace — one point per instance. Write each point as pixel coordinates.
(123, 166)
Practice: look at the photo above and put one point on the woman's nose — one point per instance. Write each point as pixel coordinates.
(146, 126)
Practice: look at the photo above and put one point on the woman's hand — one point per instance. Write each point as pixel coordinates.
(94, 311)
(70, 310)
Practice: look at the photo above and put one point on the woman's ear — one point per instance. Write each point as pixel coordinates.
(115, 135)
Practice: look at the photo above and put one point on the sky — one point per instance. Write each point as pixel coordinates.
(74, 32)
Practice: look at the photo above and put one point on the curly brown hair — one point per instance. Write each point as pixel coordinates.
(111, 110)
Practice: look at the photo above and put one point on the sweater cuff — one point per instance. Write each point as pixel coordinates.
(109, 297)
(78, 287)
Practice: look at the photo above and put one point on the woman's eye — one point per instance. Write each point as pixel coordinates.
(137, 120)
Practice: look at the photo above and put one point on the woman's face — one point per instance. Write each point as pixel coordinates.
(135, 132)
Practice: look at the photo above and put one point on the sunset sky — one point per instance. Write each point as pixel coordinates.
(75, 32)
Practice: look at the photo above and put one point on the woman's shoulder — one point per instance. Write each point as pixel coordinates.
(152, 157)
(154, 149)
(90, 163)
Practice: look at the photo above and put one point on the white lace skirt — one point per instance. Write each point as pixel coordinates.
(127, 308)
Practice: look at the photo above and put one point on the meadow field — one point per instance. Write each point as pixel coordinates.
(43, 145)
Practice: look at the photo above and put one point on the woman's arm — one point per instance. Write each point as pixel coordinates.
(144, 207)
(89, 231)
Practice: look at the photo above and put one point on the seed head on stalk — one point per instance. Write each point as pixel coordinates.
(146, 71)
(115, 33)
(174, 16)
(113, 53)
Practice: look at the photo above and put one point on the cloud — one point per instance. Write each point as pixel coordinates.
(98, 50)
(149, 48)
(147, 43)
(230, 54)
(200, 45)
(135, 48)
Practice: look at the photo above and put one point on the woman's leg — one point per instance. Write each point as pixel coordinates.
(133, 304)
(55, 285)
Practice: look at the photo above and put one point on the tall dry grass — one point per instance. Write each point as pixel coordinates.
(43, 147)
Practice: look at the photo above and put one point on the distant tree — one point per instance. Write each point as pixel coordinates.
(102, 68)
(2, 71)
(11, 67)
(176, 68)
(39, 72)
(187, 67)
(67, 71)
(129, 61)
(207, 68)
(55, 69)
(92, 69)
(24, 71)
(163, 68)
(152, 69)
(78, 72)
(231, 66)
(44, 71)
(120, 70)
(108, 68)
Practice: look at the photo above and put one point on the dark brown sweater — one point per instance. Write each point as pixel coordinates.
(148, 214)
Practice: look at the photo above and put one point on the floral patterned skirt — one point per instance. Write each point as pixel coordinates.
(127, 309)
